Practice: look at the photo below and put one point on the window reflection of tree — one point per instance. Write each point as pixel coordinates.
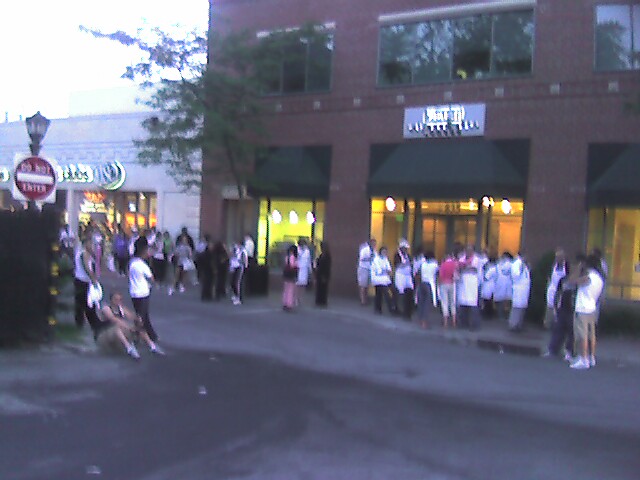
(512, 43)
(611, 51)
(472, 47)
(397, 47)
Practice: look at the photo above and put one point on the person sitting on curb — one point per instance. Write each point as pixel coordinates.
(120, 326)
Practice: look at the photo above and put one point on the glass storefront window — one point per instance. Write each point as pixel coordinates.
(616, 231)
(110, 209)
(283, 222)
(443, 224)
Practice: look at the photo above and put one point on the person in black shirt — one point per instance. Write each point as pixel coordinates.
(323, 274)
(221, 264)
(562, 325)
(205, 262)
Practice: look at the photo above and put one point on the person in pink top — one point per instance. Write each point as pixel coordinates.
(447, 277)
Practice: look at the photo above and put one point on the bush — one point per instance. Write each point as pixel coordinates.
(538, 297)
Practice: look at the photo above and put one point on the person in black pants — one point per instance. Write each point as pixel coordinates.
(140, 280)
(206, 272)
(323, 274)
(84, 275)
(562, 326)
(221, 264)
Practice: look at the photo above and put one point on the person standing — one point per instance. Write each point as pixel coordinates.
(562, 325)
(184, 234)
(468, 289)
(323, 275)
(289, 277)
(427, 295)
(365, 257)
(447, 279)
(488, 286)
(199, 250)
(221, 265)
(404, 278)
(590, 287)
(121, 251)
(184, 264)
(304, 268)
(237, 265)
(381, 280)
(521, 286)
(504, 287)
(158, 261)
(558, 272)
(140, 281)
(84, 276)
(67, 241)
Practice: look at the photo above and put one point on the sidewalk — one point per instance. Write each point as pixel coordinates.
(492, 335)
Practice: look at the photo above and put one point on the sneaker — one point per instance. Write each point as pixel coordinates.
(181, 288)
(157, 350)
(133, 353)
(592, 361)
(568, 357)
(170, 291)
(580, 364)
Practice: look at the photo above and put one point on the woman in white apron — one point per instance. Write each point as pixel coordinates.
(381, 280)
(468, 290)
(404, 278)
(521, 287)
(503, 289)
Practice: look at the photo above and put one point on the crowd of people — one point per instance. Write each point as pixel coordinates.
(467, 285)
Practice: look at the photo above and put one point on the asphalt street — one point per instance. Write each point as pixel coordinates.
(252, 392)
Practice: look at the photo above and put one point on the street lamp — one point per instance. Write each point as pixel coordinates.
(37, 127)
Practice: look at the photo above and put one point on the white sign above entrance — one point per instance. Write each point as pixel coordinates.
(450, 120)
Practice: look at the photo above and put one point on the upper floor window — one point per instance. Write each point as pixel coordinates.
(617, 37)
(474, 47)
(299, 63)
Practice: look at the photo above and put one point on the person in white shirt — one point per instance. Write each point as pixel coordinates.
(558, 272)
(67, 240)
(403, 279)
(468, 265)
(521, 279)
(504, 289)
(365, 257)
(250, 248)
(238, 263)
(488, 286)
(427, 296)
(590, 287)
(140, 281)
(84, 276)
(381, 280)
(304, 268)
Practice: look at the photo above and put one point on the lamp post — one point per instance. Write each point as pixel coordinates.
(37, 127)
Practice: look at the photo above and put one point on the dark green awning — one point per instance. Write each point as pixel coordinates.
(448, 168)
(292, 172)
(619, 184)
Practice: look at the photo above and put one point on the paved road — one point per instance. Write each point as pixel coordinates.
(315, 395)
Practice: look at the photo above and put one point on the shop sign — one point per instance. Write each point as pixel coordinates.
(110, 176)
(451, 120)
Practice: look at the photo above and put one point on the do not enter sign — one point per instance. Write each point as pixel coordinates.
(35, 178)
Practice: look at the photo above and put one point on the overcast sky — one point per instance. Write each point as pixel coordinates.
(44, 57)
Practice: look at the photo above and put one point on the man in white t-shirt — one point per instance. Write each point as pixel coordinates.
(365, 257)
(590, 286)
(140, 280)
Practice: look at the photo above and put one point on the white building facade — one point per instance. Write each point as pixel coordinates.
(99, 177)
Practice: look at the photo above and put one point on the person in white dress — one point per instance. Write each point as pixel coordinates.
(503, 289)
(427, 292)
(521, 287)
(488, 286)
(304, 268)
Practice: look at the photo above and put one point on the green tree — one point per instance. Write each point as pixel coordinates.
(207, 97)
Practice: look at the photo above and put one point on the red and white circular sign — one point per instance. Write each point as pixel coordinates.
(35, 178)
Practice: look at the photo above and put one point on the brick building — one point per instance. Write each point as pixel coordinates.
(498, 123)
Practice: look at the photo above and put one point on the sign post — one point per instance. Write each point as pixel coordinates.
(34, 179)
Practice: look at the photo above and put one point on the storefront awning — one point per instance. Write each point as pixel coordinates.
(619, 183)
(447, 168)
(292, 172)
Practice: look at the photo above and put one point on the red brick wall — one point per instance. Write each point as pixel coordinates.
(560, 126)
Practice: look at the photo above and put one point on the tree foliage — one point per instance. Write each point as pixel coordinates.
(206, 95)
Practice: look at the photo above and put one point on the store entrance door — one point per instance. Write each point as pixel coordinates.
(441, 232)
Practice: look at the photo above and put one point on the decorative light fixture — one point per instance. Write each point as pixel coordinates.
(505, 205)
(390, 204)
(293, 217)
(276, 216)
(311, 219)
(37, 127)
